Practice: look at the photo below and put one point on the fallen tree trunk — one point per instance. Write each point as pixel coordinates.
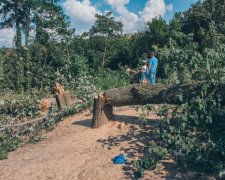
(141, 94)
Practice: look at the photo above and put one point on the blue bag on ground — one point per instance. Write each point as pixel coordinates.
(120, 159)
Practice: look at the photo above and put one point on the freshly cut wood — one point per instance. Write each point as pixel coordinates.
(102, 112)
(60, 100)
(141, 94)
(68, 98)
(58, 88)
(46, 103)
(62, 97)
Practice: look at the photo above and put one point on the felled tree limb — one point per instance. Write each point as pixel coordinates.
(141, 94)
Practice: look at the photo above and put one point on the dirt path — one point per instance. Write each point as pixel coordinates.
(74, 151)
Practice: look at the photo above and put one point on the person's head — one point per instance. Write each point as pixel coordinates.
(153, 54)
(144, 62)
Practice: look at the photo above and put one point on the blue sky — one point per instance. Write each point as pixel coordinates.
(133, 13)
(138, 5)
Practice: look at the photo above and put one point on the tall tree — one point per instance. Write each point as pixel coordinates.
(50, 21)
(175, 23)
(158, 32)
(200, 16)
(105, 26)
(11, 12)
(216, 11)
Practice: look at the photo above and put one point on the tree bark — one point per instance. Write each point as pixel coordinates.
(27, 28)
(102, 112)
(141, 94)
(64, 99)
(18, 42)
(105, 50)
(27, 58)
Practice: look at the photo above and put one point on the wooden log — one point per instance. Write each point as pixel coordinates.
(64, 99)
(141, 94)
(46, 103)
(68, 98)
(102, 111)
(60, 100)
(58, 88)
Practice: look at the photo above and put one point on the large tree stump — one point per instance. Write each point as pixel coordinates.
(102, 112)
(64, 99)
(141, 94)
(68, 98)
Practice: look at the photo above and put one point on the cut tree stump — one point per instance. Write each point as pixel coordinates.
(141, 94)
(64, 99)
(102, 112)
(68, 98)
(46, 103)
(60, 100)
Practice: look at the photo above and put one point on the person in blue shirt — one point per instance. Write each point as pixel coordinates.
(152, 64)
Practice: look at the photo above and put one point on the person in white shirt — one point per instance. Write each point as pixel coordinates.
(144, 72)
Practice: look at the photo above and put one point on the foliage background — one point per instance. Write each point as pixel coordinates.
(190, 48)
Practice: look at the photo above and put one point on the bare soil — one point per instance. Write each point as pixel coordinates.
(75, 151)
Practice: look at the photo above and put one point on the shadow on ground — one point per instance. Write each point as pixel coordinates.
(85, 122)
(133, 144)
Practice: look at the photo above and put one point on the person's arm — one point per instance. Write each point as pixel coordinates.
(148, 69)
(150, 64)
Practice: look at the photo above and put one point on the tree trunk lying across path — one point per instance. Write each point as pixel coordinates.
(141, 94)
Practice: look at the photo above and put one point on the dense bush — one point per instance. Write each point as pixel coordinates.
(15, 107)
(106, 78)
(20, 106)
(191, 134)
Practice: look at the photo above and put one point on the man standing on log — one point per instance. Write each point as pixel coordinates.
(152, 64)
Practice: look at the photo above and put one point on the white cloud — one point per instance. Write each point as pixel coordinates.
(6, 37)
(116, 3)
(82, 13)
(152, 9)
(169, 7)
(132, 21)
(129, 19)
